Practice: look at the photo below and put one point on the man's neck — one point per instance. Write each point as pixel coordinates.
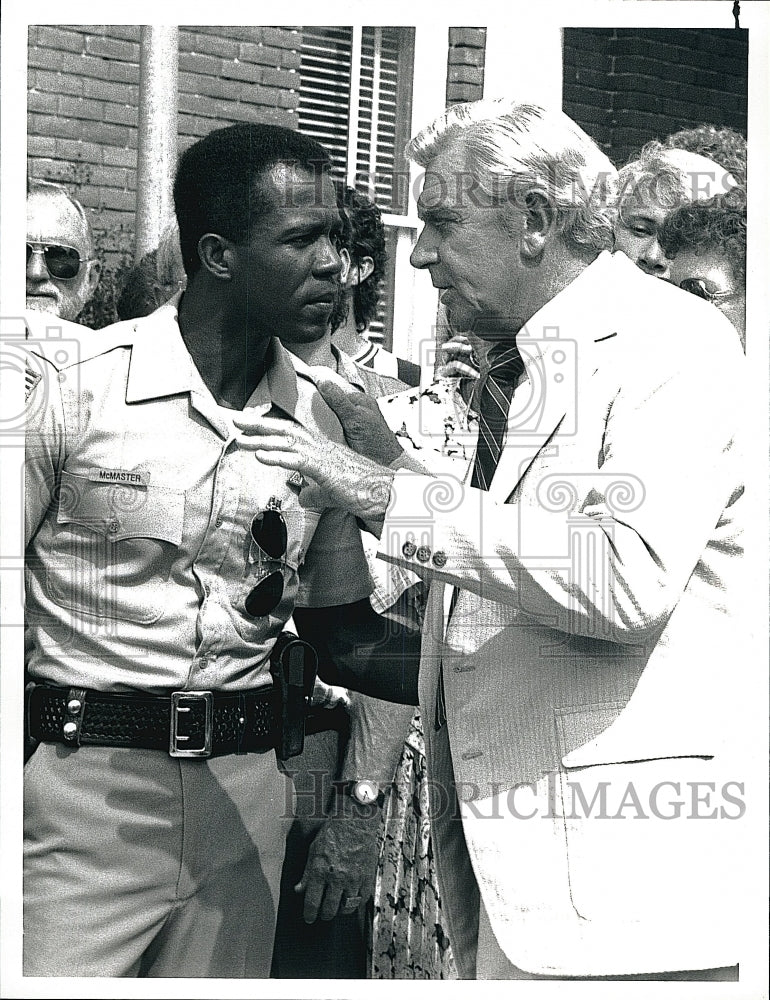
(319, 352)
(347, 338)
(558, 268)
(563, 272)
(230, 357)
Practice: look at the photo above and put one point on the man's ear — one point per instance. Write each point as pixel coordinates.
(539, 222)
(214, 253)
(346, 265)
(362, 271)
(94, 273)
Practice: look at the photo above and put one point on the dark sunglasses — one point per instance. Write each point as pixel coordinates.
(268, 530)
(697, 286)
(62, 262)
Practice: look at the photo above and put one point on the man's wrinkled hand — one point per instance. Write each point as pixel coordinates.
(341, 866)
(329, 695)
(345, 479)
(366, 431)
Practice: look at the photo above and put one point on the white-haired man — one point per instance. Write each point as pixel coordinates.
(62, 273)
(583, 578)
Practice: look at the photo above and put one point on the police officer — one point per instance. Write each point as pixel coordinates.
(163, 562)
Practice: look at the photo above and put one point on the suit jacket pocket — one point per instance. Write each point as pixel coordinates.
(642, 836)
(115, 546)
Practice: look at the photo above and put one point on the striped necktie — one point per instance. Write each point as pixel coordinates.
(505, 368)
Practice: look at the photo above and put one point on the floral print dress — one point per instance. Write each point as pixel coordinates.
(409, 938)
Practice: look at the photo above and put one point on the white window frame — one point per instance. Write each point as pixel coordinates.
(415, 301)
(415, 304)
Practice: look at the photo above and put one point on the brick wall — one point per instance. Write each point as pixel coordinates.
(465, 64)
(624, 86)
(83, 90)
(627, 86)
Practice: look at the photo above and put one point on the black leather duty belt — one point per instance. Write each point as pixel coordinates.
(185, 724)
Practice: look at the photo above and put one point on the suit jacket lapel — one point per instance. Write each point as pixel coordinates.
(558, 347)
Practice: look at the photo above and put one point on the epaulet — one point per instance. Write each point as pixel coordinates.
(64, 344)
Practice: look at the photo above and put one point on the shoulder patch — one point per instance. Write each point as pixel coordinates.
(31, 380)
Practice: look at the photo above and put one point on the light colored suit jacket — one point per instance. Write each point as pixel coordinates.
(592, 666)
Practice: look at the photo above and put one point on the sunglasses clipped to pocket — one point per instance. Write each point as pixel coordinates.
(269, 534)
(63, 262)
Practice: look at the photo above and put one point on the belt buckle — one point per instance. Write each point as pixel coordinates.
(175, 750)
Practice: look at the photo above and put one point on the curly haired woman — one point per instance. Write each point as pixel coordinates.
(706, 243)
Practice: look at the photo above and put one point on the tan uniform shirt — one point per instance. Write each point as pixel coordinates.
(139, 503)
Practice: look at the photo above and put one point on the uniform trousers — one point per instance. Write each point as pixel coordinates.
(139, 864)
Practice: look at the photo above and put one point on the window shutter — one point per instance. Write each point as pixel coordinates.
(384, 109)
(355, 99)
(324, 104)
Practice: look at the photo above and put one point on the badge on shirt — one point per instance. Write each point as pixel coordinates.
(127, 477)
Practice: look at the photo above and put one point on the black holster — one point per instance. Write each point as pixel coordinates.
(293, 664)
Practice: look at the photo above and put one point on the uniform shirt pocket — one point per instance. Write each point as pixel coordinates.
(117, 544)
(300, 527)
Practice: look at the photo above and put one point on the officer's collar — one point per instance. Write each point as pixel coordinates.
(162, 366)
(279, 387)
(160, 363)
(348, 368)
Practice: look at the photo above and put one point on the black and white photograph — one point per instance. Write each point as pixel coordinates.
(384, 483)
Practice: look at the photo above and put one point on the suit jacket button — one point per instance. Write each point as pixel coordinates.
(439, 559)
(423, 554)
(408, 549)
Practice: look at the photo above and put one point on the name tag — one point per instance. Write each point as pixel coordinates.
(134, 477)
